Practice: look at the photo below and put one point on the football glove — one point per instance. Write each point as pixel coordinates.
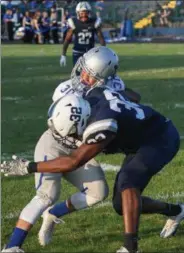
(63, 60)
(15, 167)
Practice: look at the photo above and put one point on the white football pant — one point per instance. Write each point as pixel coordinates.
(89, 180)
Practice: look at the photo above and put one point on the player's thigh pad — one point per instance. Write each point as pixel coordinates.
(90, 180)
(149, 160)
(48, 185)
(134, 174)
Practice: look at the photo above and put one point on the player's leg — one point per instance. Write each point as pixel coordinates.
(175, 212)
(47, 192)
(90, 180)
(134, 177)
(149, 205)
(76, 56)
(93, 188)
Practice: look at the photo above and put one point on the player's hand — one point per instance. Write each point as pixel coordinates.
(63, 60)
(15, 167)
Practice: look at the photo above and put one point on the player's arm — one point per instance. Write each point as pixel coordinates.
(36, 24)
(65, 47)
(67, 41)
(132, 95)
(77, 159)
(100, 36)
(24, 22)
(21, 167)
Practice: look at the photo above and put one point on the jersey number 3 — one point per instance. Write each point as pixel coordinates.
(115, 99)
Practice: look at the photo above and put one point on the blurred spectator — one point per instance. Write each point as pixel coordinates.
(99, 5)
(33, 5)
(26, 23)
(156, 18)
(127, 26)
(8, 21)
(9, 5)
(54, 26)
(23, 6)
(17, 17)
(36, 23)
(48, 4)
(164, 18)
(45, 27)
(65, 26)
(179, 2)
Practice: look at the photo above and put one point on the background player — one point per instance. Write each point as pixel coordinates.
(83, 27)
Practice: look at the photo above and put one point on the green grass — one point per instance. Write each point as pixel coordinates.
(29, 76)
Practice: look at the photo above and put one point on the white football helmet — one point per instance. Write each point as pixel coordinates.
(83, 6)
(83, 11)
(68, 115)
(99, 62)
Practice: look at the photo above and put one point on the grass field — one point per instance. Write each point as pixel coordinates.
(29, 76)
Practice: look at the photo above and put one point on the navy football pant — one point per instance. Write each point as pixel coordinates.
(76, 56)
(137, 170)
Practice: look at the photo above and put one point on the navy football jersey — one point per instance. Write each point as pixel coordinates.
(112, 112)
(84, 33)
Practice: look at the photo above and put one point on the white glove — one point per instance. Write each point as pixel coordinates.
(63, 60)
(15, 167)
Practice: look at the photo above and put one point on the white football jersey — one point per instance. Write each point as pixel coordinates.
(63, 89)
(66, 87)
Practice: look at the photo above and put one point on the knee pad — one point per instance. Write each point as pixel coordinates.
(34, 209)
(93, 194)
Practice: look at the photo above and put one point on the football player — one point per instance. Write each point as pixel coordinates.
(89, 179)
(130, 127)
(83, 27)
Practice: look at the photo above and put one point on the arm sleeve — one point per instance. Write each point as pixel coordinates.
(99, 131)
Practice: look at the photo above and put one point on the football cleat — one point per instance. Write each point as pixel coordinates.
(47, 228)
(123, 250)
(172, 224)
(13, 249)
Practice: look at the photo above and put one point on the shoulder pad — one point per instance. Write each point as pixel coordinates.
(98, 23)
(62, 89)
(116, 84)
(71, 23)
(99, 130)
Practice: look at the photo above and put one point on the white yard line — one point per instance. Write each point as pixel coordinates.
(11, 98)
(179, 105)
(110, 167)
(153, 71)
